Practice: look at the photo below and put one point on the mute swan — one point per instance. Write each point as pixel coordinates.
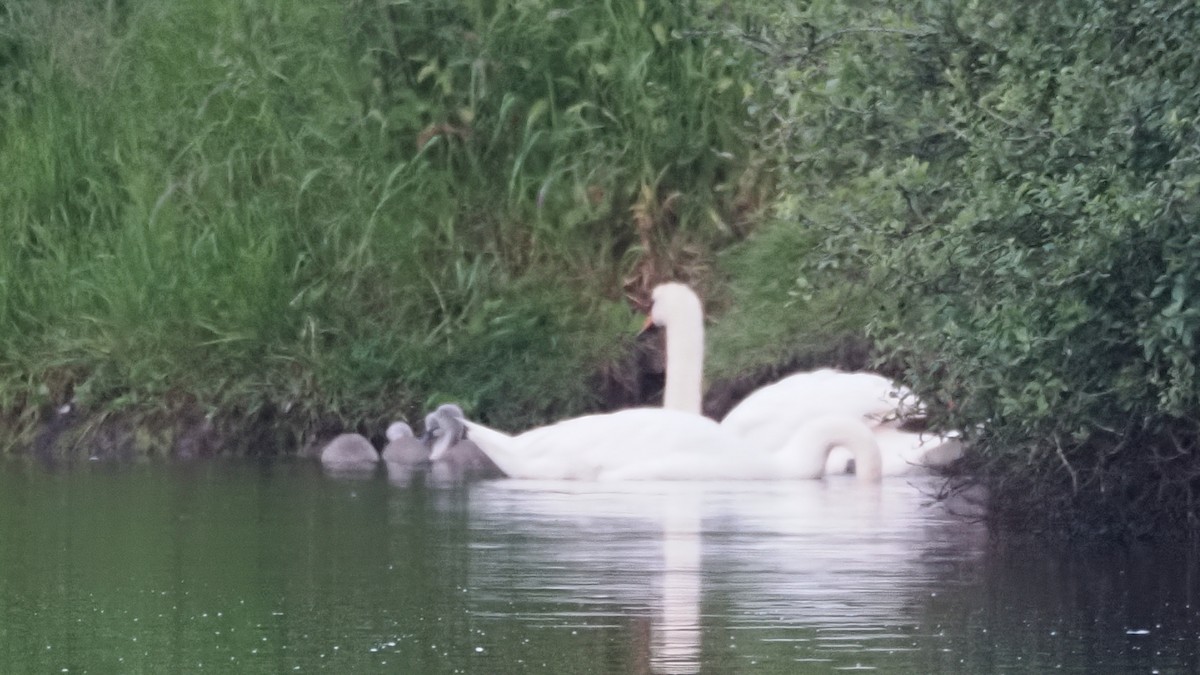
(654, 444)
(768, 417)
(349, 452)
(404, 447)
(879, 401)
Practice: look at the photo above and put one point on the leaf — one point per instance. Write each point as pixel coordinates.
(660, 33)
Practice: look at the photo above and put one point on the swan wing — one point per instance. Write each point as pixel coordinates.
(768, 417)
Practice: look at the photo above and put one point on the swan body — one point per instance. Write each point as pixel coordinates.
(349, 452)
(653, 444)
(592, 447)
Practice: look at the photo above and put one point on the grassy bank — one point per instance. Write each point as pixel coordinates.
(344, 213)
(303, 217)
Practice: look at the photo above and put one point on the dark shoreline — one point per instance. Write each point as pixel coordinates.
(68, 432)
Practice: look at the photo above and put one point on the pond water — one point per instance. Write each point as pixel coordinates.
(278, 567)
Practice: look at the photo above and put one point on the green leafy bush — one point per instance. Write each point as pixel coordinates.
(1019, 181)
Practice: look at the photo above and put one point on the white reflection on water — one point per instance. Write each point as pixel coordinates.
(781, 561)
(675, 632)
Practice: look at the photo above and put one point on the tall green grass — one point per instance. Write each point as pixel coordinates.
(353, 208)
(777, 306)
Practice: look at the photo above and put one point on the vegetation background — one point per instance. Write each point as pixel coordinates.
(303, 216)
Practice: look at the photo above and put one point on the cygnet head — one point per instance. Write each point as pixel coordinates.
(403, 447)
(398, 430)
(671, 301)
(444, 427)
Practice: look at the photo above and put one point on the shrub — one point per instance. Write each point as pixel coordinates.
(1019, 182)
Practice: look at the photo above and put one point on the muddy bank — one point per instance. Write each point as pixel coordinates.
(185, 432)
(70, 433)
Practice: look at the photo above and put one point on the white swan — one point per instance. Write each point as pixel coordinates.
(769, 416)
(654, 444)
(349, 452)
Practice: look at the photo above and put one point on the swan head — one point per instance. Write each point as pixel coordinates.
(444, 427)
(671, 301)
(398, 430)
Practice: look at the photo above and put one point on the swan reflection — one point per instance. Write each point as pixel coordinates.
(829, 562)
(675, 631)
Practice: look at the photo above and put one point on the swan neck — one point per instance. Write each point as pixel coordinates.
(685, 363)
(854, 435)
(810, 448)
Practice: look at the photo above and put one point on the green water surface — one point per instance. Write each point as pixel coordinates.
(245, 567)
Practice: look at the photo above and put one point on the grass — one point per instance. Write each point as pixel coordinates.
(352, 210)
(777, 308)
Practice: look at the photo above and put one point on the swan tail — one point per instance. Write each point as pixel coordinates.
(907, 452)
(933, 450)
(498, 446)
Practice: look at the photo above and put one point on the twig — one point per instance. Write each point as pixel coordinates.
(824, 40)
(871, 29)
(1070, 469)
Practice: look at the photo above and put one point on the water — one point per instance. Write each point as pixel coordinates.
(243, 567)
